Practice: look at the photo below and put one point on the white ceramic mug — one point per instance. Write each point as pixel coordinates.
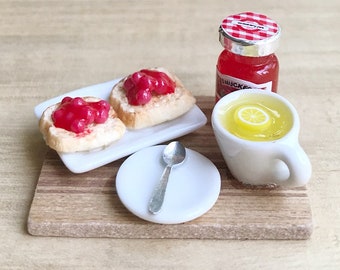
(282, 162)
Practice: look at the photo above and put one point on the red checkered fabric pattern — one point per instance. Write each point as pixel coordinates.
(249, 26)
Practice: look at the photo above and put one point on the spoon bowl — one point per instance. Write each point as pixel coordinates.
(173, 154)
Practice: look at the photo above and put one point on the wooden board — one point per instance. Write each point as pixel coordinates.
(87, 205)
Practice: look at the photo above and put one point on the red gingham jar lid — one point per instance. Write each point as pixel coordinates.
(249, 34)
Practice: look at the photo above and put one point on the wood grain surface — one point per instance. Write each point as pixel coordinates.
(87, 205)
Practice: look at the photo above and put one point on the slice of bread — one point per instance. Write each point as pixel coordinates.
(95, 136)
(159, 109)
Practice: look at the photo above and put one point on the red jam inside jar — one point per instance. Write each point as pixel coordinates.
(248, 60)
(76, 114)
(141, 85)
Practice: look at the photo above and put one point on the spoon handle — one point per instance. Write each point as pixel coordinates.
(157, 198)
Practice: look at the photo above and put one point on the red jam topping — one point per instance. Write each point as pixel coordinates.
(75, 114)
(140, 86)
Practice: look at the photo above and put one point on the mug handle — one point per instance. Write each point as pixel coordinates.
(298, 163)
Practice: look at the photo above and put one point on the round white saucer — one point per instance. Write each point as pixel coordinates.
(193, 186)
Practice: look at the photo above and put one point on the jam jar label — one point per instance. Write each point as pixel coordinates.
(226, 84)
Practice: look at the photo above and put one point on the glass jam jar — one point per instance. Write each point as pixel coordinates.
(248, 60)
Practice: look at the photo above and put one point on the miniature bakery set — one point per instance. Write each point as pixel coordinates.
(141, 157)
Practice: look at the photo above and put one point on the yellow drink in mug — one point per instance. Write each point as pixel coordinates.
(257, 132)
(257, 118)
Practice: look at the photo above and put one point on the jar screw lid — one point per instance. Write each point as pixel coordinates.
(249, 34)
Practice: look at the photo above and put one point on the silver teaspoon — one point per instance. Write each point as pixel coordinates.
(173, 154)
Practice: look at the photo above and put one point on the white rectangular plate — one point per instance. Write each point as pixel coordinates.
(132, 141)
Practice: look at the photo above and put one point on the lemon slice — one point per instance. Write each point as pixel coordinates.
(252, 118)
